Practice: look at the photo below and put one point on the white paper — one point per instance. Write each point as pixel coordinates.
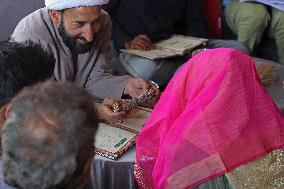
(112, 139)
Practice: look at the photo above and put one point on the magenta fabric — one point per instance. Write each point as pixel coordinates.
(213, 117)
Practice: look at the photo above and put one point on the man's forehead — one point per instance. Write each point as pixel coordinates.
(83, 13)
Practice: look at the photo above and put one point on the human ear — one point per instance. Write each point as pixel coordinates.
(5, 111)
(55, 16)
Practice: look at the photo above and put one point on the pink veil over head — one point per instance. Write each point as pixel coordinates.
(213, 116)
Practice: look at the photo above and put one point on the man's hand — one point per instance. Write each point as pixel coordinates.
(138, 86)
(105, 112)
(140, 42)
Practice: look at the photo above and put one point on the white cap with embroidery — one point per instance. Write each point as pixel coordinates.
(65, 4)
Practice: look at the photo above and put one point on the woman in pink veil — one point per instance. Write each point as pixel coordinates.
(213, 117)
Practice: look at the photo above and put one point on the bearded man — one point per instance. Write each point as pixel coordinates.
(77, 33)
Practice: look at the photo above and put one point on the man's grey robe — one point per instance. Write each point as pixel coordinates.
(94, 73)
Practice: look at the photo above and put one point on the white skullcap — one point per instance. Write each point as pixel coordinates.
(65, 4)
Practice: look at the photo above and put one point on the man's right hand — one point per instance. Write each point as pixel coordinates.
(140, 42)
(105, 112)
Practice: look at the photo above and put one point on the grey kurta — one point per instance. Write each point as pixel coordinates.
(94, 73)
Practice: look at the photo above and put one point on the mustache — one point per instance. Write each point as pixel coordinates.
(82, 39)
(70, 41)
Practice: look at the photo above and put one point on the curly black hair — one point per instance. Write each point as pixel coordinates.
(22, 64)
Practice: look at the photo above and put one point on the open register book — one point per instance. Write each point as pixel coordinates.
(112, 140)
(176, 45)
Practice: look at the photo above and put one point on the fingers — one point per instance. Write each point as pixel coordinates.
(155, 87)
(108, 101)
(136, 93)
(146, 85)
(136, 87)
(141, 42)
(105, 112)
(145, 39)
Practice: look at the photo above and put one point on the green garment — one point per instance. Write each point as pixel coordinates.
(251, 20)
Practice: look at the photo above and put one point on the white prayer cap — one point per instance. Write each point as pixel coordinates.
(65, 4)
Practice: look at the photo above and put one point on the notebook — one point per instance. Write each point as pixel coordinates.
(176, 45)
(113, 139)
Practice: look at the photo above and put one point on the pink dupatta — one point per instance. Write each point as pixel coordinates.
(213, 117)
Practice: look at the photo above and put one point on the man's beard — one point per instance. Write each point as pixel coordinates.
(70, 41)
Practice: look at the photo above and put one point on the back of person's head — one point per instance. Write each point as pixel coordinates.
(22, 64)
(48, 138)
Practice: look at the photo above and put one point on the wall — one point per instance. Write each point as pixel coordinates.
(12, 11)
